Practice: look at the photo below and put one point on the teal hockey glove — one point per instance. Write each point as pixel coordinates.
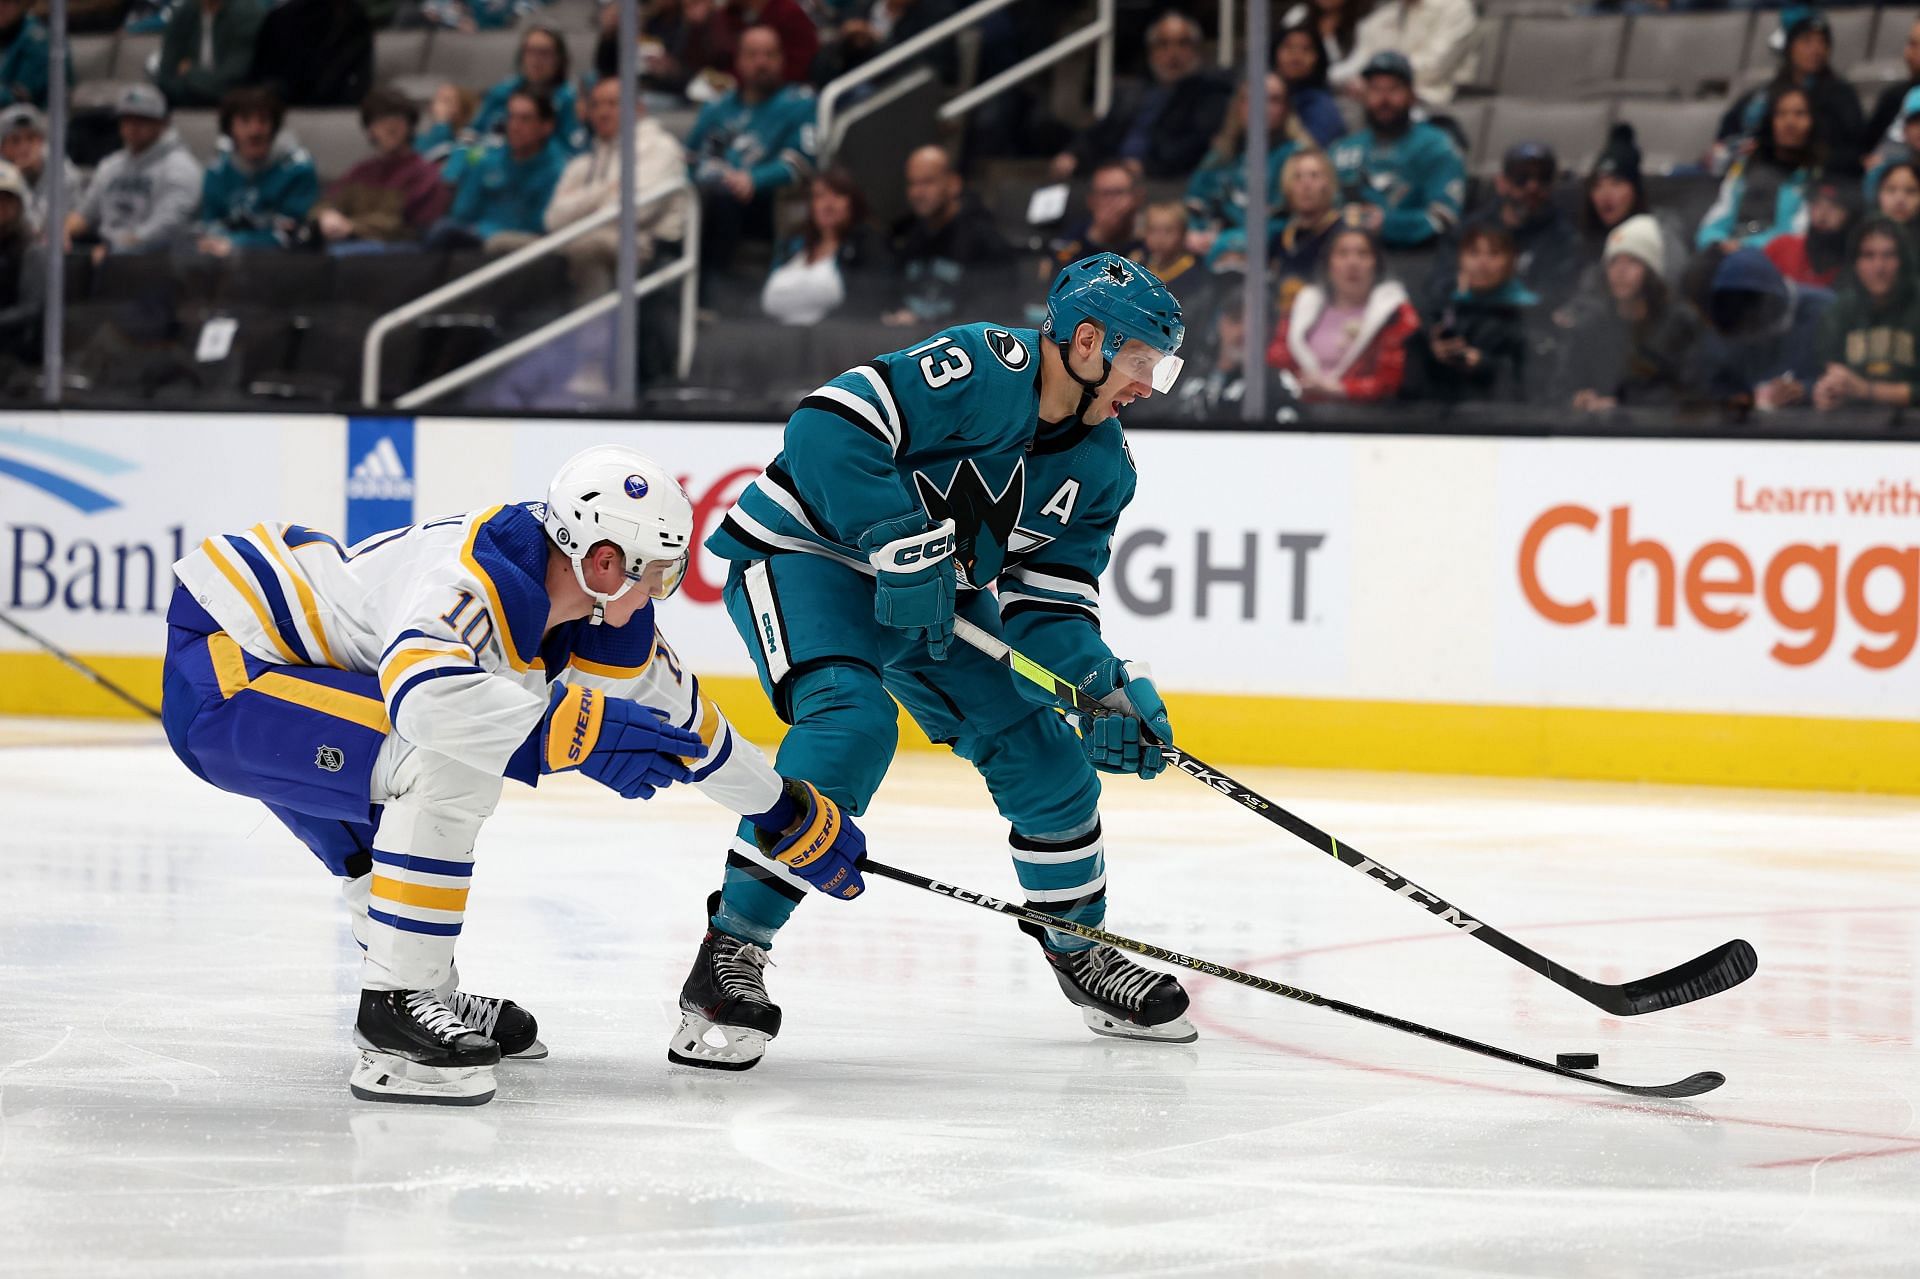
(1114, 743)
(914, 579)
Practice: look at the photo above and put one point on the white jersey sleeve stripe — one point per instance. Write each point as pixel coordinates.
(865, 409)
(309, 607)
(251, 597)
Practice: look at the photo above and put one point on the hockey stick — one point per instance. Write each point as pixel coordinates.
(1720, 969)
(1691, 1086)
(69, 660)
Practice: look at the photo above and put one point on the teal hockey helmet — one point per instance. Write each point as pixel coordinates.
(1130, 304)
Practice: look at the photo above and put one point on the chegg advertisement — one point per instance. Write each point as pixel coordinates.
(1709, 576)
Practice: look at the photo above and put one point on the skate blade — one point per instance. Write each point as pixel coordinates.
(692, 1045)
(1177, 1031)
(535, 1051)
(384, 1077)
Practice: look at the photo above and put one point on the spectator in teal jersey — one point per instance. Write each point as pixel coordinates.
(1402, 178)
(1765, 194)
(501, 201)
(24, 55)
(1217, 194)
(541, 67)
(745, 147)
(207, 49)
(260, 188)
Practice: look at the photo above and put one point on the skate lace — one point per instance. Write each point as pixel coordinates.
(427, 1009)
(1112, 976)
(477, 1011)
(738, 967)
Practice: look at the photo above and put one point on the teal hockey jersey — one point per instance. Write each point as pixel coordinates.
(1418, 180)
(950, 429)
(772, 140)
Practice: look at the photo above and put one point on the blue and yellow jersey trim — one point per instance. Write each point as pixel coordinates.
(506, 552)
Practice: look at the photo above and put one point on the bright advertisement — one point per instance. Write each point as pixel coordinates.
(94, 509)
(1755, 577)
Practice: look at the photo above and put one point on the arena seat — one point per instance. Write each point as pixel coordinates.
(1556, 57)
(476, 61)
(384, 281)
(1575, 130)
(273, 277)
(1852, 37)
(200, 129)
(132, 52)
(1670, 134)
(332, 136)
(1890, 36)
(121, 277)
(399, 53)
(1685, 54)
(92, 58)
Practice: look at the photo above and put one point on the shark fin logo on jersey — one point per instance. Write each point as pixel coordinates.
(1008, 349)
(986, 525)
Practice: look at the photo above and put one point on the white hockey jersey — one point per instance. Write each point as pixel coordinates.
(451, 616)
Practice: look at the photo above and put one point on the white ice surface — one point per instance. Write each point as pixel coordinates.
(176, 979)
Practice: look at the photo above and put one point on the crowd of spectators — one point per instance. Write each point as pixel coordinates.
(1390, 275)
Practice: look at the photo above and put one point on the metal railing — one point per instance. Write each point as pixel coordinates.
(685, 269)
(831, 124)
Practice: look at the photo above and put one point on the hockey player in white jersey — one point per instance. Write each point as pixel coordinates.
(376, 696)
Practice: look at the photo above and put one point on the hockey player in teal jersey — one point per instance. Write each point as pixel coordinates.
(980, 472)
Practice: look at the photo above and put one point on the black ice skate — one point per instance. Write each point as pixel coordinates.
(725, 998)
(413, 1048)
(501, 1020)
(1118, 997)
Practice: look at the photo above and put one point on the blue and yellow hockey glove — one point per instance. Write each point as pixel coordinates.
(617, 742)
(815, 840)
(1114, 743)
(914, 579)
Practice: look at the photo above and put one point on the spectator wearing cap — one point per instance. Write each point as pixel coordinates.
(501, 201)
(591, 182)
(1544, 239)
(1346, 336)
(1475, 344)
(207, 49)
(145, 194)
(745, 147)
(1805, 44)
(259, 189)
(1400, 177)
(1867, 338)
(23, 144)
(949, 251)
(1300, 60)
(1757, 347)
(1765, 194)
(541, 67)
(395, 195)
(1217, 194)
(1166, 125)
(1895, 105)
(1115, 196)
(24, 52)
(1630, 340)
(23, 281)
(1435, 36)
(1817, 255)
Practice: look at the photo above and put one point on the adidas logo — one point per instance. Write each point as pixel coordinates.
(380, 475)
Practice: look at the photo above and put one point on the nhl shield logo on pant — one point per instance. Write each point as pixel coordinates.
(330, 758)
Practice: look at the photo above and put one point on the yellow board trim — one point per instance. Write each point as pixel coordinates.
(610, 672)
(229, 662)
(402, 893)
(254, 602)
(308, 605)
(1783, 751)
(501, 628)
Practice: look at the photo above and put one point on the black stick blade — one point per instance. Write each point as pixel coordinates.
(1691, 1086)
(1716, 971)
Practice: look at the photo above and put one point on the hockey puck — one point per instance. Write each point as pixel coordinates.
(1577, 1061)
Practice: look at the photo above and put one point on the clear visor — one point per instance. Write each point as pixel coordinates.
(659, 578)
(1159, 369)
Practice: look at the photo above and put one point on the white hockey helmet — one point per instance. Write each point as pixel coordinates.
(612, 494)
